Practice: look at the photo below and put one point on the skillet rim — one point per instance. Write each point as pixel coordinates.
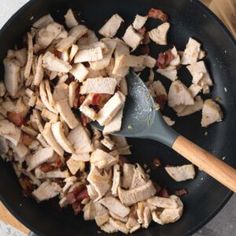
(228, 193)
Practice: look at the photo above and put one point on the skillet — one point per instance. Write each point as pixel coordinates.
(206, 197)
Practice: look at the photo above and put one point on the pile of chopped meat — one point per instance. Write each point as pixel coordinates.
(64, 78)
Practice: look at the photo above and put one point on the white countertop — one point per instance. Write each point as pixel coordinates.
(222, 225)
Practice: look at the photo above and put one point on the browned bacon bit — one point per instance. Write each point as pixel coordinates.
(82, 195)
(78, 194)
(163, 193)
(156, 162)
(145, 49)
(16, 118)
(77, 207)
(26, 139)
(84, 120)
(146, 39)
(26, 185)
(57, 53)
(161, 100)
(47, 167)
(100, 99)
(181, 192)
(164, 59)
(78, 101)
(157, 14)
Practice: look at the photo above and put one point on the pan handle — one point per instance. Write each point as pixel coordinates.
(207, 162)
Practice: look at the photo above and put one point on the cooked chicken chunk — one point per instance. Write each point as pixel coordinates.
(211, 113)
(169, 72)
(181, 173)
(79, 71)
(70, 19)
(139, 21)
(159, 34)
(111, 27)
(132, 38)
(88, 55)
(75, 166)
(46, 190)
(179, 95)
(99, 85)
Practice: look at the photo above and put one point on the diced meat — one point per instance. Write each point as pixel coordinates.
(79, 71)
(129, 197)
(53, 63)
(16, 118)
(73, 51)
(127, 177)
(157, 14)
(20, 151)
(162, 202)
(111, 26)
(75, 166)
(11, 76)
(108, 228)
(80, 140)
(73, 90)
(102, 159)
(70, 19)
(195, 89)
(101, 182)
(132, 38)
(46, 190)
(139, 21)
(10, 132)
(181, 173)
(86, 109)
(99, 85)
(111, 108)
(190, 109)
(139, 177)
(119, 226)
(179, 95)
(65, 111)
(81, 157)
(39, 74)
(48, 136)
(211, 113)
(115, 206)
(168, 120)
(169, 72)
(159, 34)
(41, 156)
(74, 35)
(88, 55)
(30, 55)
(164, 59)
(60, 92)
(192, 52)
(54, 174)
(116, 179)
(122, 146)
(107, 142)
(43, 21)
(59, 135)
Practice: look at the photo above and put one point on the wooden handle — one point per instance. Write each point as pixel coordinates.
(207, 162)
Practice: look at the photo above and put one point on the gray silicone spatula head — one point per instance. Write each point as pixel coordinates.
(141, 118)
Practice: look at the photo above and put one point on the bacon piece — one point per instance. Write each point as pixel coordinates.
(156, 13)
(26, 139)
(161, 100)
(16, 118)
(164, 59)
(181, 192)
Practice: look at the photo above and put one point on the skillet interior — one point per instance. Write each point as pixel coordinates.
(206, 197)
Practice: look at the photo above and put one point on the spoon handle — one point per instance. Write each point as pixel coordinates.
(207, 162)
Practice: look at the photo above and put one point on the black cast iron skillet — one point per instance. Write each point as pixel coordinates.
(206, 197)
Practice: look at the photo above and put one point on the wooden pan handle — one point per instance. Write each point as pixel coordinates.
(207, 162)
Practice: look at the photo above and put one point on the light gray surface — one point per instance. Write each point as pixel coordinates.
(224, 224)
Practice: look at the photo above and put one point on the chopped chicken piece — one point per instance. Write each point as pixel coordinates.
(156, 217)
(159, 34)
(121, 145)
(181, 173)
(159, 88)
(195, 89)
(46, 190)
(144, 215)
(99, 85)
(169, 72)
(48, 136)
(60, 92)
(162, 202)
(127, 177)
(39, 74)
(168, 120)
(88, 55)
(20, 151)
(81, 157)
(108, 228)
(74, 35)
(116, 180)
(73, 86)
(156, 13)
(111, 27)
(103, 63)
(11, 77)
(58, 133)
(102, 215)
(54, 174)
(116, 217)
(2, 89)
(139, 21)
(10, 132)
(49, 116)
(132, 38)
(79, 71)
(65, 111)
(176, 60)
(119, 226)
(139, 177)
(192, 52)
(80, 140)
(30, 56)
(102, 159)
(70, 19)
(129, 197)
(100, 181)
(111, 108)
(73, 51)
(41, 156)
(179, 95)
(115, 206)
(190, 109)
(86, 110)
(75, 166)
(211, 113)
(4, 147)
(43, 21)
(52, 63)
